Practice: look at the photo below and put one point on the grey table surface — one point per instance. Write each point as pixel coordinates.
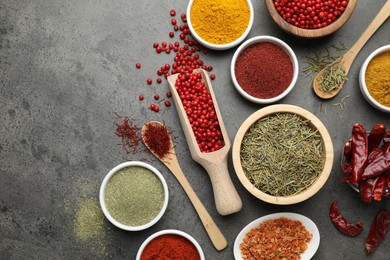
(67, 66)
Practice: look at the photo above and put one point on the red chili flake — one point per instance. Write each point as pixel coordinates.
(279, 238)
(129, 133)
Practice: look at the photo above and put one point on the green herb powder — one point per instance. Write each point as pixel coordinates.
(134, 196)
(282, 154)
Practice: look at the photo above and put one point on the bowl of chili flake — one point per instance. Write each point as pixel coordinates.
(278, 236)
(264, 69)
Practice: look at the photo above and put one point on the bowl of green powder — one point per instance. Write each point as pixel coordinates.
(374, 79)
(220, 24)
(134, 196)
(282, 154)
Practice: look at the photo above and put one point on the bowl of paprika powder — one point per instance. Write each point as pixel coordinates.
(170, 244)
(264, 69)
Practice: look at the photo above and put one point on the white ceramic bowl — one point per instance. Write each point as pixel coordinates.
(214, 46)
(362, 80)
(104, 185)
(278, 42)
(167, 232)
(308, 223)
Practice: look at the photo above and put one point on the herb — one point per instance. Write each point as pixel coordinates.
(156, 137)
(134, 196)
(281, 154)
(129, 133)
(332, 78)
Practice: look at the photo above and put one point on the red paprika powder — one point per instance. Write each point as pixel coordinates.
(264, 70)
(170, 246)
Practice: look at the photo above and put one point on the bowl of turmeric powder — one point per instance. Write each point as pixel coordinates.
(220, 24)
(374, 79)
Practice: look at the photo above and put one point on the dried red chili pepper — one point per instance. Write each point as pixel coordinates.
(366, 189)
(378, 231)
(342, 224)
(375, 137)
(378, 165)
(380, 187)
(346, 168)
(359, 152)
(348, 150)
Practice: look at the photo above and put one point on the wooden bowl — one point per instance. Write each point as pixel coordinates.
(327, 154)
(311, 33)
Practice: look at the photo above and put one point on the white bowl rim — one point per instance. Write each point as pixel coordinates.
(104, 185)
(362, 79)
(226, 46)
(285, 47)
(167, 232)
(308, 223)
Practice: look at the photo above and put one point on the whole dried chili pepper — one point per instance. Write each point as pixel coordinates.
(378, 231)
(359, 152)
(375, 137)
(380, 187)
(347, 150)
(342, 224)
(366, 189)
(379, 164)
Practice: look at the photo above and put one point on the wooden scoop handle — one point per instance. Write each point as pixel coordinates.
(379, 19)
(215, 235)
(227, 200)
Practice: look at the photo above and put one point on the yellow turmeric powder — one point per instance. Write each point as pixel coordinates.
(378, 78)
(220, 21)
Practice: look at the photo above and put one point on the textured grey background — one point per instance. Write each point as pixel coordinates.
(67, 66)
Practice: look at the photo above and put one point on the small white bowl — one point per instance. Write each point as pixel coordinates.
(104, 185)
(308, 223)
(362, 80)
(172, 232)
(278, 42)
(214, 46)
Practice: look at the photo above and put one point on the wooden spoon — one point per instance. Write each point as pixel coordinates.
(170, 161)
(227, 200)
(346, 60)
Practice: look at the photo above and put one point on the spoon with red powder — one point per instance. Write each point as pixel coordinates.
(158, 140)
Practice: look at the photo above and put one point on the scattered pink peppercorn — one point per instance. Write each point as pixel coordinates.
(156, 96)
(212, 76)
(173, 12)
(149, 81)
(167, 103)
(138, 65)
(169, 94)
(141, 97)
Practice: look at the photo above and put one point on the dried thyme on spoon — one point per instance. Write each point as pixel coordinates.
(282, 154)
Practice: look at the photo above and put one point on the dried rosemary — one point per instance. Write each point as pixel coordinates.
(332, 78)
(281, 154)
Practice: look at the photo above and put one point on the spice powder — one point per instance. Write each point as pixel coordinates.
(134, 196)
(264, 70)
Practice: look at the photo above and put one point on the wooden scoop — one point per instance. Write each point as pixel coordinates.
(170, 161)
(227, 200)
(346, 60)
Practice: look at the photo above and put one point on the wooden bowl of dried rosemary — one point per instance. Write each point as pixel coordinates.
(282, 154)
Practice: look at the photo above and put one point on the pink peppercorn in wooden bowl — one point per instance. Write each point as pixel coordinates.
(310, 18)
(264, 69)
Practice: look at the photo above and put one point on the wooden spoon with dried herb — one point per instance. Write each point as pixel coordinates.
(158, 140)
(331, 79)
